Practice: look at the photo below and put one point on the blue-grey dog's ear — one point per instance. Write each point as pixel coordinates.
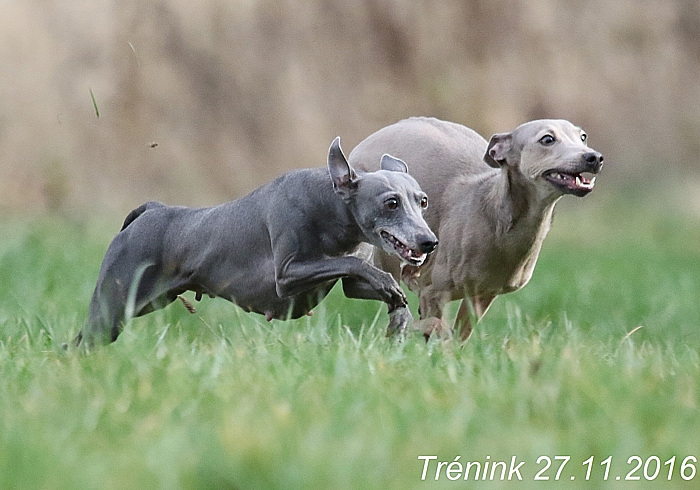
(393, 164)
(498, 149)
(343, 176)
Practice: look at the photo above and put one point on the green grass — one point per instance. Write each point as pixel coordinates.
(223, 399)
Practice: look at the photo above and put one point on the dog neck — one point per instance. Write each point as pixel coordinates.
(331, 218)
(515, 204)
(344, 228)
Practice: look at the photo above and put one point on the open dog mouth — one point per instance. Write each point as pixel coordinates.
(578, 184)
(412, 257)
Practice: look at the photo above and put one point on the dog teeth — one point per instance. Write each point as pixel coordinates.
(588, 184)
(415, 260)
(409, 255)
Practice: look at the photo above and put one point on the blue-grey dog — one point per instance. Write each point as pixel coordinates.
(277, 251)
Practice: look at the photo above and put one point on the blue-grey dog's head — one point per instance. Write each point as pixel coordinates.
(388, 205)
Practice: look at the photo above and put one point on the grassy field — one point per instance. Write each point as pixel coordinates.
(223, 399)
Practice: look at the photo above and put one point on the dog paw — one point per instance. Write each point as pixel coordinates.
(390, 290)
(434, 327)
(397, 295)
(399, 320)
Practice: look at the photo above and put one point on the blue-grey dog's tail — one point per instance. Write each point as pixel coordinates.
(139, 211)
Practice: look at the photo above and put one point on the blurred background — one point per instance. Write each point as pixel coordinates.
(201, 102)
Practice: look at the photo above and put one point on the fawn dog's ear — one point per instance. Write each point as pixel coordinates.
(393, 164)
(498, 149)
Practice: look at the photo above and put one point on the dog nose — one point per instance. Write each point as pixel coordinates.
(428, 245)
(594, 159)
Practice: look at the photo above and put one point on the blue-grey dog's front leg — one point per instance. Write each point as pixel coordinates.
(295, 277)
(361, 280)
(399, 317)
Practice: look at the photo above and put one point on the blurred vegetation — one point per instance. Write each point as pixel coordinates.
(200, 102)
(223, 399)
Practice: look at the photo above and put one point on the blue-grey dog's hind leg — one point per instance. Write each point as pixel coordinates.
(131, 217)
(123, 289)
(116, 300)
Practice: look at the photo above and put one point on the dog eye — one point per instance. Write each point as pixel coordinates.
(547, 140)
(424, 202)
(392, 203)
(584, 137)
